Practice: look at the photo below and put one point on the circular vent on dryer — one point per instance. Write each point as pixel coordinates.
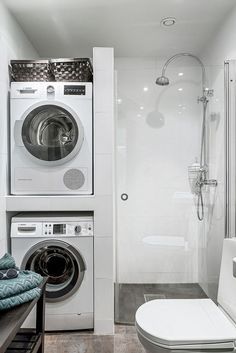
(74, 179)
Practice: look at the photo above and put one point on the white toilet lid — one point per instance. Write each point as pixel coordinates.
(173, 322)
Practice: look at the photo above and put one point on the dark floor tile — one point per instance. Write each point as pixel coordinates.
(131, 296)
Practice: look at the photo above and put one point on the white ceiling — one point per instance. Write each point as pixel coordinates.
(70, 28)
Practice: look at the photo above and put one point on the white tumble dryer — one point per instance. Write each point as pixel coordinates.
(59, 246)
(51, 138)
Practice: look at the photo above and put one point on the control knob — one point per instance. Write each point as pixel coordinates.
(50, 89)
(77, 229)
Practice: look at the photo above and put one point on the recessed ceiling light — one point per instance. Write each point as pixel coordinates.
(141, 107)
(180, 89)
(119, 101)
(180, 73)
(145, 89)
(168, 21)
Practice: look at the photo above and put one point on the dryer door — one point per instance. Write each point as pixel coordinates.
(52, 133)
(61, 263)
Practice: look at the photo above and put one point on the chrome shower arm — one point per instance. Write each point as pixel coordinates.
(192, 56)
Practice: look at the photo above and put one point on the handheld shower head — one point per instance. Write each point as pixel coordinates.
(162, 81)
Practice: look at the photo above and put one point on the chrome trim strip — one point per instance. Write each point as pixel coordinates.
(227, 151)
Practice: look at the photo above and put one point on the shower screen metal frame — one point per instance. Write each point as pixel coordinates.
(230, 148)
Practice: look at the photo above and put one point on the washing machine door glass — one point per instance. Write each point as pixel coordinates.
(61, 263)
(51, 133)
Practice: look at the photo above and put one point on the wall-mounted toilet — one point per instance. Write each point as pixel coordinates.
(193, 324)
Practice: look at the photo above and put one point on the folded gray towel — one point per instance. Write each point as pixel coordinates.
(6, 262)
(25, 281)
(19, 299)
(9, 274)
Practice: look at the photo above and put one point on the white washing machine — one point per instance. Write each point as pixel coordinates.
(51, 138)
(60, 247)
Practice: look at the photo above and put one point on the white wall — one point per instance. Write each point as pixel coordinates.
(13, 45)
(157, 238)
(211, 233)
(222, 45)
(148, 158)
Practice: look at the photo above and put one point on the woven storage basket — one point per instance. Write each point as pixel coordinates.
(72, 69)
(31, 70)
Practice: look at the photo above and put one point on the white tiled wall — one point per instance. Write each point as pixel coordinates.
(103, 257)
(158, 136)
(103, 221)
(13, 44)
(103, 124)
(104, 306)
(103, 213)
(103, 181)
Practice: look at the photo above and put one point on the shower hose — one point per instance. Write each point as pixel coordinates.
(202, 171)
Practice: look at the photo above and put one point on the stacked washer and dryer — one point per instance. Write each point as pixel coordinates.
(51, 127)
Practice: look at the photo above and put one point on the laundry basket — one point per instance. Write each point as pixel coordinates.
(30, 70)
(78, 69)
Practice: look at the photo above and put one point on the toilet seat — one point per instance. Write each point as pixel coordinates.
(185, 324)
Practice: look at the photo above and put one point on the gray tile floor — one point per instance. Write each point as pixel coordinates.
(125, 339)
(131, 296)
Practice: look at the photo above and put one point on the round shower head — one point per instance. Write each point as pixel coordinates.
(162, 81)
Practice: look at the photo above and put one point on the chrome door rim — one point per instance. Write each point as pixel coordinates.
(75, 254)
(78, 122)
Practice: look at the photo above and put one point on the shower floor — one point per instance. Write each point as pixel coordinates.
(130, 296)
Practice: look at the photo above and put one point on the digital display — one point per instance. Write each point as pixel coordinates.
(59, 229)
(75, 90)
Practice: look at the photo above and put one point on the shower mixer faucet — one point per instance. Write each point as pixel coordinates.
(207, 92)
(202, 178)
(199, 174)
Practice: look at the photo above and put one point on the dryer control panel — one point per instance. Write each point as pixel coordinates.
(75, 90)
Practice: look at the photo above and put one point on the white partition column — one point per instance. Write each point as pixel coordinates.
(103, 64)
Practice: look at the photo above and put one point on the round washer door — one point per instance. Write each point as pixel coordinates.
(61, 263)
(52, 133)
